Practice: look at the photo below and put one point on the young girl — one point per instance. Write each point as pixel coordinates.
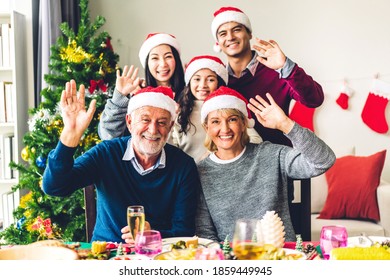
(203, 75)
(160, 57)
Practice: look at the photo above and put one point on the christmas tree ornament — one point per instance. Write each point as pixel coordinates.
(25, 154)
(57, 124)
(120, 251)
(108, 44)
(373, 113)
(41, 162)
(96, 85)
(101, 72)
(20, 222)
(345, 94)
(299, 243)
(303, 115)
(226, 246)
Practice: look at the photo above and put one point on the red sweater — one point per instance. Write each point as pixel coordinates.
(298, 86)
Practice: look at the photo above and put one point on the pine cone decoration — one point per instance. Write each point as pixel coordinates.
(309, 248)
(273, 229)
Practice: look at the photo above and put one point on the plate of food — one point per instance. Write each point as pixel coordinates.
(367, 241)
(180, 243)
(294, 254)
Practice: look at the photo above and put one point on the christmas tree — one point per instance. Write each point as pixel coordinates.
(88, 58)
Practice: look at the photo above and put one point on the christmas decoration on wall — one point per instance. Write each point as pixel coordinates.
(85, 57)
(303, 115)
(373, 113)
(345, 94)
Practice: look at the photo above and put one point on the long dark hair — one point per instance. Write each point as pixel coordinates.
(186, 104)
(177, 79)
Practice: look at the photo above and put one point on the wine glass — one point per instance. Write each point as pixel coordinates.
(148, 242)
(248, 239)
(135, 219)
(332, 237)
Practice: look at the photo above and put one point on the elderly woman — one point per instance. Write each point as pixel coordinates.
(244, 180)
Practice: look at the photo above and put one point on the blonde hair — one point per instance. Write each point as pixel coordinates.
(209, 144)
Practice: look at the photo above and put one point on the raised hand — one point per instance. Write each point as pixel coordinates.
(270, 54)
(270, 115)
(128, 82)
(76, 119)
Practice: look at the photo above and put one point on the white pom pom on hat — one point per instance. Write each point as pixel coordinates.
(160, 97)
(153, 40)
(226, 98)
(228, 14)
(206, 62)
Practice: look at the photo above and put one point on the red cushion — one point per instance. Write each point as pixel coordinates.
(352, 183)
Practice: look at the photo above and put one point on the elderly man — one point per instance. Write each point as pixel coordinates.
(134, 170)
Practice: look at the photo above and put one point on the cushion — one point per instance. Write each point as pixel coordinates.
(352, 183)
(319, 185)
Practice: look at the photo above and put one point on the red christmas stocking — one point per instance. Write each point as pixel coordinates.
(343, 98)
(303, 115)
(373, 113)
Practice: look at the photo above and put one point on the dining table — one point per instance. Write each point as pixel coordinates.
(128, 251)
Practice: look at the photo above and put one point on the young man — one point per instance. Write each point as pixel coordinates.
(270, 71)
(136, 170)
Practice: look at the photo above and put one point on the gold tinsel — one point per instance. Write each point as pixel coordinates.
(73, 53)
(24, 199)
(106, 67)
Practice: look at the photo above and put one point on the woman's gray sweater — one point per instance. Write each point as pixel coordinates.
(257, 182)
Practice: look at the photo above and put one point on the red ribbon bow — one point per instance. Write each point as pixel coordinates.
(96, 85)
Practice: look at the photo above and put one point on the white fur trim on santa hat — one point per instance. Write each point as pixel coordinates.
(228, 14)
(224, 102)
(206, 63)
(155, 40)
(154, 99)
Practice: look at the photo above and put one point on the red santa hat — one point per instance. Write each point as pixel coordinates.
(160, 97)
(228, 14)
(155, 39)
(206, 62)
(226, 98)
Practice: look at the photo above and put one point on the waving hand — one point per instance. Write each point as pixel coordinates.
(270, 115)
(76, 119)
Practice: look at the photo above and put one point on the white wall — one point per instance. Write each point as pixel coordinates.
(332, 40)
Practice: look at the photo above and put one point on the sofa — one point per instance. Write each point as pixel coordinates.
(356, 208)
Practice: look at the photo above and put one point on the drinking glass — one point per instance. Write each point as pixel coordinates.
(135, 219)
(248, 239)
(332, 237)
(148, 242)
